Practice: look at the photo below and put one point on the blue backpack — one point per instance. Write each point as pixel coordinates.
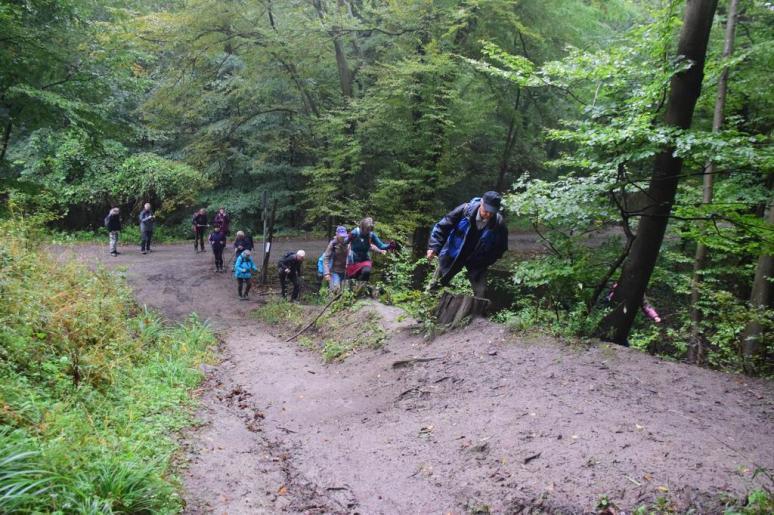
(321, 265)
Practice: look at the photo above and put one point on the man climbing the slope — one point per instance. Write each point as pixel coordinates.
(334, 259)
(473, 236)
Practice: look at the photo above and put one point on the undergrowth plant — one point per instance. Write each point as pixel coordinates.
(92, 388)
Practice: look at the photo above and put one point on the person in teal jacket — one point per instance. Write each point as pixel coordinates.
(362, 241)
(243, 271)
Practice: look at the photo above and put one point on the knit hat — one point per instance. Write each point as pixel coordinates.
(301, 254)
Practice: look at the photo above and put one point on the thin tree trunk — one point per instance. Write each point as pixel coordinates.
(685, 88)
(6, 139)
(510, 141)
(696, 350)
(759, 298)
(345, 74)
(267, 245)
(309, 102)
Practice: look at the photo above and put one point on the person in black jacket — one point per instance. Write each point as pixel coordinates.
(147, 221)
(290, 270)
(198, 224)
(241, 243)
(217, 241)
(113, 225)
(472, 236)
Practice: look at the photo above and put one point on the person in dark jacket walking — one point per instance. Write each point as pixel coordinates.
(113, 225)
(472, 236)
(217, 241)
(147, 221)
(222, 219)
(198, 224)
(241, 243)
(290, 270)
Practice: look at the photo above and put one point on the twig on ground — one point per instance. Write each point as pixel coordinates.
(310, 324)
(406, 362)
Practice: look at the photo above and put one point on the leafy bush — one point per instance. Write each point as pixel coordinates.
(279, 312)
(91, 387)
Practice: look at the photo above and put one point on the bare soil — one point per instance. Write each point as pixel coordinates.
(486, 421)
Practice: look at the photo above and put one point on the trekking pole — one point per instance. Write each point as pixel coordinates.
(310, 324)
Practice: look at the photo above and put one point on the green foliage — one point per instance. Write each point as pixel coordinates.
(90, 388)
(759, 502)
(280, 312)
(342, 109)
(607, 150)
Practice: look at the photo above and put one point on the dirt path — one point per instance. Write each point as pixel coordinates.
(493, 422)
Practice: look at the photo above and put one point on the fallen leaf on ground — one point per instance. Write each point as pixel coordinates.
(282, 490)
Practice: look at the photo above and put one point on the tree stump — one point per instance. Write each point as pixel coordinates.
(452, 309)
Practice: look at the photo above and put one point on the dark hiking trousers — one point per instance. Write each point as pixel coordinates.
(199, 238)
(243, 287)
(218, 251)
(293, 278)
(364, 274)
(145, 243)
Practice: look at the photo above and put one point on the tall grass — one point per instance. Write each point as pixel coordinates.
(92, 388)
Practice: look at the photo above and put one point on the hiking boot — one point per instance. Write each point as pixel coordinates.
(144, 252)
(114, 254)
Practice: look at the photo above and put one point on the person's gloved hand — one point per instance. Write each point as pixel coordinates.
(393, 245)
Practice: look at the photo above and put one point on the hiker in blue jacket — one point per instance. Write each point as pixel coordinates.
(243, 271)
(473, 236)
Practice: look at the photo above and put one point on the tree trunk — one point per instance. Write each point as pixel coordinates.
(696, 349)
(685, 88)
(759, 298)
(510, 140)
(345, 74)
(267, 245)
(453, 309)
(6, 139)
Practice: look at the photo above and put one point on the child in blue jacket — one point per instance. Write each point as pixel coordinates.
(243, 271)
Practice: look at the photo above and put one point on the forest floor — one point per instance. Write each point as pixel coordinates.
(492, 421)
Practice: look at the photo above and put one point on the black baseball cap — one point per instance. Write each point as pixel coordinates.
(491, 201)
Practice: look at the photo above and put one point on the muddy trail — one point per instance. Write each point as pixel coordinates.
(486, 421)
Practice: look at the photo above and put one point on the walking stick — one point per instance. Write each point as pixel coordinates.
(310, 324)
